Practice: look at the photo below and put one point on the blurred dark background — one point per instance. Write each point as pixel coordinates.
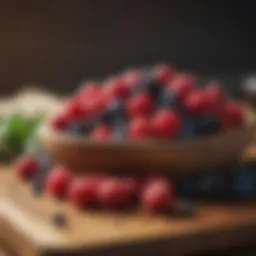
(58, 43)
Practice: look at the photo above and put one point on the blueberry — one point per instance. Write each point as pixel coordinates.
(207, 125)
(187, 187)
(188, 129)
(45, 166)
(149, 84)
(116, 109)
(120, 130)
(185, 208)
(244, 182)
(166, 99)
(59, 219)
(78, 129)
(212, 186)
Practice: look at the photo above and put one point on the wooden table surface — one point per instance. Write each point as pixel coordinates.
(214, 228)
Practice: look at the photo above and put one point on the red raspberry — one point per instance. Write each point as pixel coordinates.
(26, 167)
(83, 192)
(141, 104)
(157, 196)
(89, 89)
(117, 88)
(95, 105)
(215, 97)
(164, 73)
(58, 121)
(58, 181)
(182, 85)
(132, 187)
(102, 132)
(197, 103)
(112, 193)
(139, 128)
(232, 115)
(132, 78)
(165, 123)
(74, 110)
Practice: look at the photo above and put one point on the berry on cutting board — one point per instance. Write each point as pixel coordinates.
(83, 191)
(113, 193)
(26, 167)
(58, 181)
(157, 196)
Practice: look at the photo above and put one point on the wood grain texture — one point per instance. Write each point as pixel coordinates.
(26, 226)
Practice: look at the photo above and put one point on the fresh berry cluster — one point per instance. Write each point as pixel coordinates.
(159, 103)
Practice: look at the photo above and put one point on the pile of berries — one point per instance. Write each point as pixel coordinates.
(159, 102)
(153, 193)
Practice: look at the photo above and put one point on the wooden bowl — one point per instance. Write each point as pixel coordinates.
(85, 154)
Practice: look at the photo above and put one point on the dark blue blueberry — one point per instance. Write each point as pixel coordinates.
(244, 183)
(185, 208)
(187, 187)
(207, 125)
(116, 110)
(59, 219)
(45, 166)
(166, 99)
(120, 130)
(149, 84)
(79, 129)
(212, 186)
(188, 129)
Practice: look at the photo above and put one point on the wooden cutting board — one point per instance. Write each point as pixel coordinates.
(26, 226)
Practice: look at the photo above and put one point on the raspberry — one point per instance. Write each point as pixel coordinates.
(133, 78)
(164, 73)
(232, 115)
(182, 85)
(197, 104)
(165, 123)
(132, 187)
(58, 181)
(89, 89)
(139, 128)
(102, 132)
(83, 192)
(26, 167)
(157, 196)
(141, 104)
(215, 97)
(117, 88)
(112, 193)
(58, 121)
(74, 110)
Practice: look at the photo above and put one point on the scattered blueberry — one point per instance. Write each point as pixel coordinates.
(244, 184)
(59, 219)
(212, 186)
(44, 167)
(184, 208)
